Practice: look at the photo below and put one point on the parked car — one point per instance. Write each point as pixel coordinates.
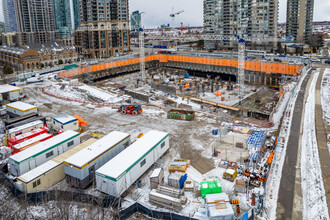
(327, 61)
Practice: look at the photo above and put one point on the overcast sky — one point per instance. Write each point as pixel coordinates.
(158, 11)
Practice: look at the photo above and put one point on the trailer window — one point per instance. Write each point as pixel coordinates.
(49, 154)
(36, 183)
(142, 162)
(70, 143)
(162, 145)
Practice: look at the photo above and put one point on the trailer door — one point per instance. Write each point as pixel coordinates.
(128, 180)
(32, 163)
(91, 173)
(60, 149)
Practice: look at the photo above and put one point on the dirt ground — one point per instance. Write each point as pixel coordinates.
(188, 140)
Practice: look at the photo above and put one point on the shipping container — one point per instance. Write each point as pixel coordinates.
(26, 136)
(40, 153)
(19, 108)
(181, 114)
(29, 143)
(49, 173)
(65, 122)
(116, 176)
(13, 132)
(80, 168)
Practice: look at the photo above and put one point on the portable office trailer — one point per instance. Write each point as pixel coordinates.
(29, 143)
(65, 122)
(20, 109)
(24, 128)
(116, 176)
(26, 136)
(80, 168)
(49, 173)
(38, 154)
(11, 93)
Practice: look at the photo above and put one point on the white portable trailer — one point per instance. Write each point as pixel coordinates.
(80, 168)
(65, 122)
(38, 154)
(116, 176)
(11, 93)
(20, 108)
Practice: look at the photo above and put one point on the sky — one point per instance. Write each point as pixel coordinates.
(157, 12)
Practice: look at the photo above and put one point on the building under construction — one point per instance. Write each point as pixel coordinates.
(256, 72)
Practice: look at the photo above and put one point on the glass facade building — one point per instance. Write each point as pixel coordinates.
(9, 14)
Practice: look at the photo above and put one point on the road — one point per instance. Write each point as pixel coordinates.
(287, 184)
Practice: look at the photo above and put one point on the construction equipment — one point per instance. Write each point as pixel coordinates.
(130, 109)
(172, 15)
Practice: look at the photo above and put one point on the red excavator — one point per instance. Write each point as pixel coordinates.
(130, 109)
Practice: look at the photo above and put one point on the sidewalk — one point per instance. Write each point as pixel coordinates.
(287, 189)
(321, 135)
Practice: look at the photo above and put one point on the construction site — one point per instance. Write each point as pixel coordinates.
(220, 132)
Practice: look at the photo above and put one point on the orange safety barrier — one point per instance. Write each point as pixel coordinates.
(163, 58)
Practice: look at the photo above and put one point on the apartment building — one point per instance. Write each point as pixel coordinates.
(9, 14)
(225, 18)
(299, 19)
(35, 20)
(104, 28)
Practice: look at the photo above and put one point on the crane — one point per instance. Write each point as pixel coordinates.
(141, 46)
(174, 14)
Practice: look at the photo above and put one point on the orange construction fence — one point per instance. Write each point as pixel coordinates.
(249, 65)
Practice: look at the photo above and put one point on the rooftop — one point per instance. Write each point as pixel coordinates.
(21, 106)
(89, 154)
(64, 118)
(115, 167)
(31, 141)
(36, 172)
(8, 88)
(43, 146)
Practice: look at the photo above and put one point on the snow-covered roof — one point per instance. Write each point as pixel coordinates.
(156, 172)
(31, 141)
(213, 211)
(8, 88)
(49, 165)
(43, 146)
(34, 173)
(26, 134)
(125, 160)
(19, 128)
(64, 118)
(230, 171)
(89, 154)
(21, 106)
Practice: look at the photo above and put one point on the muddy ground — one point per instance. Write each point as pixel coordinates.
(188, 140)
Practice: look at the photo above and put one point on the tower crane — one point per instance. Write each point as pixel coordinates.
(141, 47)
(174, 14)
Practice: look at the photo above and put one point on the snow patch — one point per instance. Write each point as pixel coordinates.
(314, 199)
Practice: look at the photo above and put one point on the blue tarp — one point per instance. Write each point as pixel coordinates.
(254, 156)
(257, 139)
